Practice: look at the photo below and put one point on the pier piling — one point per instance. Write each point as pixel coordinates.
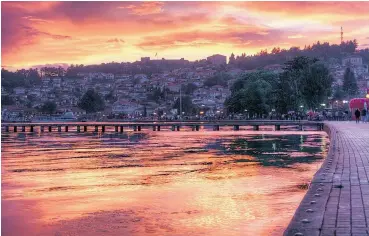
(256, 127)
(78, 128)
(31, 128)
(23, 128)
(15, 129)
(42, 128)
(50, 128)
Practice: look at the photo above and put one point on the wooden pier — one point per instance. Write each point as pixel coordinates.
(156, 126)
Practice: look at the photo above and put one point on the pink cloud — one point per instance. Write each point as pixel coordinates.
(144, 8)
(238, 38)
(115, 40)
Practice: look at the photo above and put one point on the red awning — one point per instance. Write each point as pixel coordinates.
(358, 103)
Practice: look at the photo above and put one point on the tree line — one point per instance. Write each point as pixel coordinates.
(304, 83)
(323, 51)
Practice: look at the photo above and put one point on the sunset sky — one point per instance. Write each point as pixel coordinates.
(38, 33)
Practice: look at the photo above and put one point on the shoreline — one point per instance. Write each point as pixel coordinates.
(335, 203)
(319, 180)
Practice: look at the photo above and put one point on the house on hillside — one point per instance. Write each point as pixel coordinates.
(352, 60)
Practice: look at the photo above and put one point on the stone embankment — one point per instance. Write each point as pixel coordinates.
(337, 202)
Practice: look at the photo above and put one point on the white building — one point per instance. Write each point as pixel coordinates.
(19, 90)
(217, 59)
(126, 107)
(352, 60)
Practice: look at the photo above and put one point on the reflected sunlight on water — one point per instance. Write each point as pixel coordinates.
(156, 183)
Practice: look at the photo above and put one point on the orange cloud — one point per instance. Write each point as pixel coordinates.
(236, 38)
(35, 33)
(309, 8)
(145, 8)
(116, 40)
(297, 36)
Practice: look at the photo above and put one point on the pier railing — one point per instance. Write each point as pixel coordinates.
(157, 125)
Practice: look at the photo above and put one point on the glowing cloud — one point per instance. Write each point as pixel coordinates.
(37, 33)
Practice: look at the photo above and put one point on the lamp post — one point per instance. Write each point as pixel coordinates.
(180, 101)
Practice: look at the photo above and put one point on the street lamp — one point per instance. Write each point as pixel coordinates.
(344, 101)
(323, 104)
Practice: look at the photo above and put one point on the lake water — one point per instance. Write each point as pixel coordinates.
(156, 183)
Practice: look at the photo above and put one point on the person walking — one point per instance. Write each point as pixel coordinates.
(363, 115)
(357, 115)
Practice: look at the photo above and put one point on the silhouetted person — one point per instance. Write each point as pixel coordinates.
(357, 115)
(363, 115)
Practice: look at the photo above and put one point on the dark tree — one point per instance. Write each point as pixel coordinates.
(315, 85)
(219, 79)
(48, 107)
(232, 59)
(304, 81)
(254, 92)
(189, 88)
(187, 106)
(6, 100)
(338, 93)
(91, 102)
(110, 97)
(349, 83)
(145, 112)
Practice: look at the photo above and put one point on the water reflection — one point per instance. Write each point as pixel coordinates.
(155, 183)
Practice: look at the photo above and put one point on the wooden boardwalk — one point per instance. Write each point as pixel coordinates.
(337, 202)
(156, 125)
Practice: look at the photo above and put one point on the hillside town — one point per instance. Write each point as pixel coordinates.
(152, 95)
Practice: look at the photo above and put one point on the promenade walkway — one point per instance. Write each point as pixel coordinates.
(337, 202)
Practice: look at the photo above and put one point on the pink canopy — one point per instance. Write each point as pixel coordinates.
(358, 103)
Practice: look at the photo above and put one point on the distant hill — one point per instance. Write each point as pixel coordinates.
(322, 51)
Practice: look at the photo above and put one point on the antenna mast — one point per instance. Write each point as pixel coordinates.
(341, 35)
